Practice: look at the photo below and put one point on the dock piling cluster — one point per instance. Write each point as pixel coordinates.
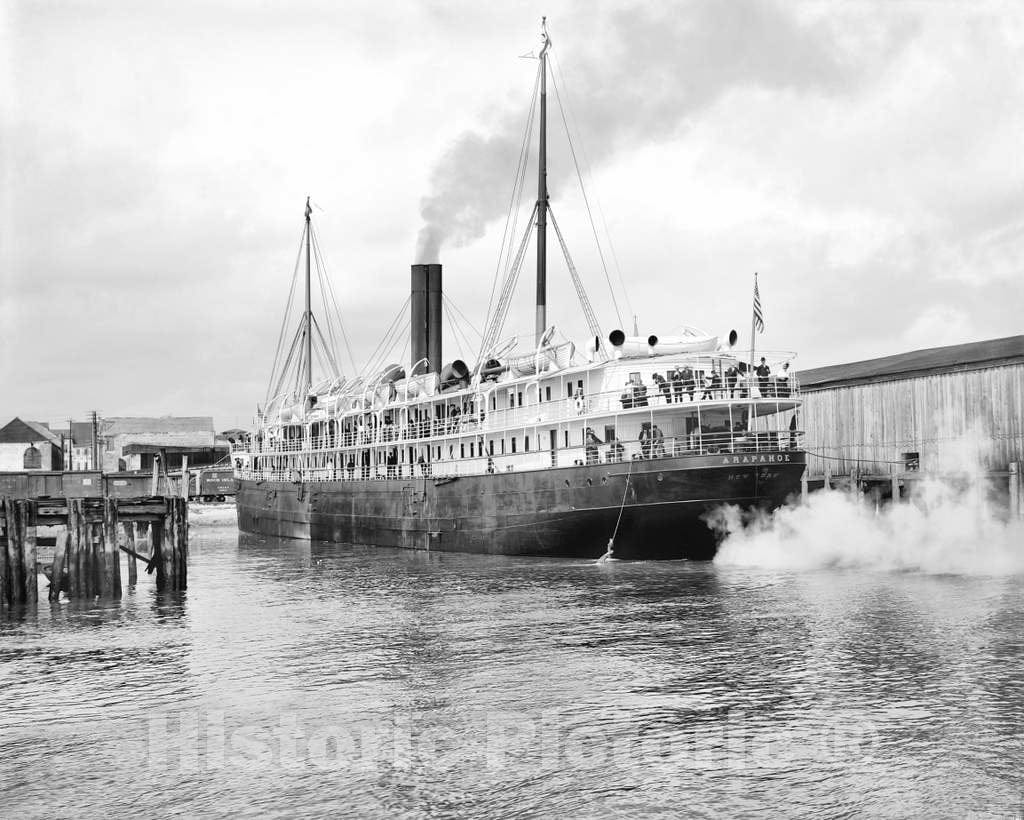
(87, 553)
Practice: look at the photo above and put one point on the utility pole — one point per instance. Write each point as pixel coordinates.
(95, 440)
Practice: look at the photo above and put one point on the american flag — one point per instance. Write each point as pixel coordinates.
(758, 313)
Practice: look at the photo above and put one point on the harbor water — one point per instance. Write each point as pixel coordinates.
(324, 680)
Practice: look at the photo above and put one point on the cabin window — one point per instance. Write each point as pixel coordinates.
(526, 444)
(511, 398)
(513, 444)
(567, 432)
(520, 398)
(494, 402)
(33, 459)
(609, 432)
(503, 446)
(568, 390)
(490, 447)
(547, 393)
(462, 451)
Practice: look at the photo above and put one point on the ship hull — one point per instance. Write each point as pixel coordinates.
(655, 509)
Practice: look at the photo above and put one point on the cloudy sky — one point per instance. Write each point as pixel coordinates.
(867, 159)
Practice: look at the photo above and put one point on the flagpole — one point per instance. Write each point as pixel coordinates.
(753, 331)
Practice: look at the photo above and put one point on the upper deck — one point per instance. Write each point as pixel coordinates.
(686, 403)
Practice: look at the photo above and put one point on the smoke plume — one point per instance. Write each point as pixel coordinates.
(635, 75)
(949, 526)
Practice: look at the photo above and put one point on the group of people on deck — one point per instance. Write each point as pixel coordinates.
(652, 444)
(709, 385)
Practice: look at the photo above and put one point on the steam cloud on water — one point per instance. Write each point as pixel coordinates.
(948, 526)
(653, 69)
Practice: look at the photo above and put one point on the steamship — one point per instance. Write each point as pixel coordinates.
(618, 445)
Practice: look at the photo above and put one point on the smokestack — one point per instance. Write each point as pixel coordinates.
(434, 324)
(418, 329)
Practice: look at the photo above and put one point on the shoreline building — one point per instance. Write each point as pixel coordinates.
(78, 446)
(29, 445)
(131, 442)
(945, 409)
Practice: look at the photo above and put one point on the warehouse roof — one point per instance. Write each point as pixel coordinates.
(951, 359)
(17, 431)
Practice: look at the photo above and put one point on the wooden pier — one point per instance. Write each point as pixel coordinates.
(86, 554)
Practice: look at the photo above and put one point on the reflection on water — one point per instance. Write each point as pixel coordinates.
(321, 678)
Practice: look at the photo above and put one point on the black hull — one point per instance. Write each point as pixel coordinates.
(560, 512)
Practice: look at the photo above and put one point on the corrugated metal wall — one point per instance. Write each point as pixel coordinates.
(954, 420)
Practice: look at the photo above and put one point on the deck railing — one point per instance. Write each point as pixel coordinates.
(696, 444)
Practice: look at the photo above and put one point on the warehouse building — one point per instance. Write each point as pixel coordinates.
(29, 445)
(132, 443)
(945, 409)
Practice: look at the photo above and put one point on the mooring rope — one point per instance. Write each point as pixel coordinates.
(610, 552)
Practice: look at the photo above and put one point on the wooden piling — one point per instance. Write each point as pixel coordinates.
(57, 576)
(803, 486)
(14, 586)
(29, 553)
(111, 553)
(129, 541)
(828, 476)
(73, 547)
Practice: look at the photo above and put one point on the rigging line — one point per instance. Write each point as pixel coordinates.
(455, 307)
(287, 311)
(325, 290)
(581, 292)
(333, 346)
(334, 369)
(597, 201)
(337, 305)
(381, 350)
(586, 199)
(371, 362)
(510, 222)
(501, 313)
(509, 284)
(457, 331)
(287, 364)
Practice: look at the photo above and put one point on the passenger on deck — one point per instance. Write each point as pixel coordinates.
(592, 444)
(645, 439)
(782, 382)
(731, 375)
(763, 371)
(658, 441)
(688, 381)
(639, 394)
(627, 396)
(490, 465)
(707, 383)
(664, 387)
(676, 378)
(615, 449)
(351, 467)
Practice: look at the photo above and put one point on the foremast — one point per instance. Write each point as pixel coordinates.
(542, 191)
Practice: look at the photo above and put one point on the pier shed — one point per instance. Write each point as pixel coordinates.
(944, 409)
(131, 443)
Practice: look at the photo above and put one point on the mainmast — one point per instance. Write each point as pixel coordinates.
(542, 190)
(309, 311)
